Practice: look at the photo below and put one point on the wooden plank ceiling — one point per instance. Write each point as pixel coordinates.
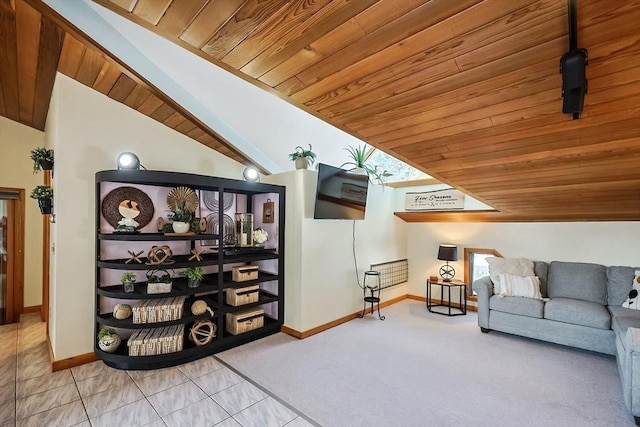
(468, 91)
(33, 47)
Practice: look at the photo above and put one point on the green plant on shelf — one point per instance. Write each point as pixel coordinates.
(193, 273)
(106, 332)
(127, 277)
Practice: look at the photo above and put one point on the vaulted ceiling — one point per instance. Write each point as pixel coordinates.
(468, 91)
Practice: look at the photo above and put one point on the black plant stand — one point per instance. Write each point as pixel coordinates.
(373, 298)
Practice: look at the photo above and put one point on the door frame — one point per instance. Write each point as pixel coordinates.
(15, 269)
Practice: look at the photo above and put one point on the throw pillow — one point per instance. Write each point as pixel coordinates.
(633, 300)
(516, 266)
(518, 286)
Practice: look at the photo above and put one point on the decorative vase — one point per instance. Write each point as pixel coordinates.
(193, 283)
(129, 286)
(46, 206)
(301, 163)
(109, 343)
(180, 227)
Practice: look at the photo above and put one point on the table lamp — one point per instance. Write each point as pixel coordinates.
(447, 253)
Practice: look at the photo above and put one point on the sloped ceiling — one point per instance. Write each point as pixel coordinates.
(468, 91)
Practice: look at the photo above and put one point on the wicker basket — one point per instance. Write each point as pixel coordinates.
(242, 296)
(244, 273)
(244, 321)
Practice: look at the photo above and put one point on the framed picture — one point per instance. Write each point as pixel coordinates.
(268, 212)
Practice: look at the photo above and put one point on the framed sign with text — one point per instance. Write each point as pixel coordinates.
(434, 200)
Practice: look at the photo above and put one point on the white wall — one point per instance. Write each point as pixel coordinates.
(89, 131)
(321, 282)
(607, 243)
(16, 171)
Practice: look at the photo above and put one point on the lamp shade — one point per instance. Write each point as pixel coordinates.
(448, 253)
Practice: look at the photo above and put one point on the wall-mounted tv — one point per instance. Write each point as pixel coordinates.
(340, 194)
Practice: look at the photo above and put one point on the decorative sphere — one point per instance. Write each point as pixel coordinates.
(198, 307)
(122, 311)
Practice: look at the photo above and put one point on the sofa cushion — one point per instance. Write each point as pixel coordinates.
(577, 312)
(518, 286)
(515, 305)
(576, 280)
(619, 282)
(516, 266)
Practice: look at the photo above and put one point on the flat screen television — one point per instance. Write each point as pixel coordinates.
(340, 194)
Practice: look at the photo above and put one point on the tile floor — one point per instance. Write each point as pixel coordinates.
(202, 393)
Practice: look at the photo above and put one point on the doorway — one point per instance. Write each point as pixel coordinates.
(11, 254)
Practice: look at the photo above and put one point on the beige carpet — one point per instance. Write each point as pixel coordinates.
(421, 369)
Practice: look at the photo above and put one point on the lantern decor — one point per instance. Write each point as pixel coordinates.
(244, 229)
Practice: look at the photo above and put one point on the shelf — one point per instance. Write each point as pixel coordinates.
(263, 298)
(217, 258)
(150, 237)
(120, 359)
(259, 256)
(108, 320)
(181, 261)
(227, 281)
(178, 288)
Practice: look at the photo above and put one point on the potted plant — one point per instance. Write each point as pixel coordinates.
(128, 279)
(108, 340)
(194, 276)
(181, 218)
(44, 195)
(303, 158)
(358, 162)
(42, 159)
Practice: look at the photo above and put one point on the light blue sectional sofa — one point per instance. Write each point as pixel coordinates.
(582, 308)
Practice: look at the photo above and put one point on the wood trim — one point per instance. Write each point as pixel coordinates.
(496, 216)
(15, 273)
(71, 362)
(32, 309)
(344, 319)
(467, 266)
(414, 183)
(46, 261)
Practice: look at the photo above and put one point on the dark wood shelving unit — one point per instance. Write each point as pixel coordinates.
(212, 290)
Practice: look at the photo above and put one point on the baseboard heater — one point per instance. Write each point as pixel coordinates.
(392, 272)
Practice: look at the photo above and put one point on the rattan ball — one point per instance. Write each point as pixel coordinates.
(122, 311)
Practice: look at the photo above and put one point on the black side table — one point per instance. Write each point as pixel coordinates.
(462, 303)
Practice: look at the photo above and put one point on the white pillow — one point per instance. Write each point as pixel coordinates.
(518, 286)
(633, 300)
(516, 266)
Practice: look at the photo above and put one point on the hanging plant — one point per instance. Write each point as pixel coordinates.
(44, 195)
(42, 159)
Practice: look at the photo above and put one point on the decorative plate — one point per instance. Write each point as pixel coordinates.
(133, 199)
(228, 227)
(182, 196)
(211, 201)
